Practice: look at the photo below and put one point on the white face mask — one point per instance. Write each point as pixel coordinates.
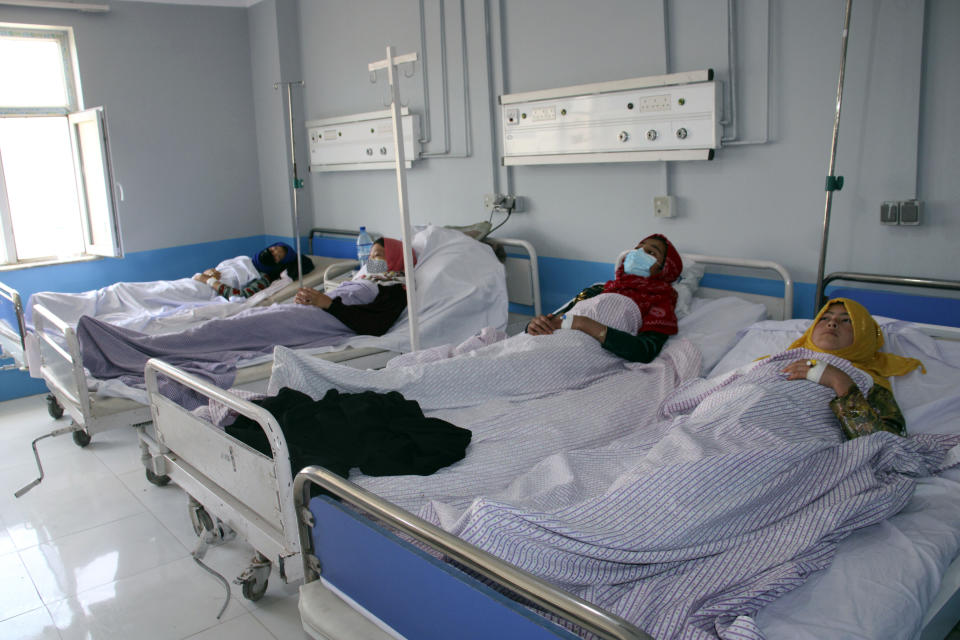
(376, 265)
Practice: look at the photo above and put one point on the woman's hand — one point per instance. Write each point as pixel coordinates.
(313, 298)
(832, 377)
(207, 276)
(544, 325)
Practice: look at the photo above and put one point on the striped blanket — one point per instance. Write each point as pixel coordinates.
(735, 495)
(524, 399)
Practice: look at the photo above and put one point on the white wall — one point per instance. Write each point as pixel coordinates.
(762, 201)
(176, 84)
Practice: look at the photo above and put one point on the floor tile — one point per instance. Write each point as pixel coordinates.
(50, 512)
(244, 627)
(172, 601)
(282, 619)
(33, 625)
(168, 504)
(118, 449)
(6, 542)
(17, 593)
(78, 562)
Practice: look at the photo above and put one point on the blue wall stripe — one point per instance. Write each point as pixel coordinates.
(560, 280)
(139, 266)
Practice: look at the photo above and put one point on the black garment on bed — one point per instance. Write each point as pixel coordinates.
(382, 434)
(374, 318)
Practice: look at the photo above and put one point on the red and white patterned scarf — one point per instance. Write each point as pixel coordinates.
(654, 295)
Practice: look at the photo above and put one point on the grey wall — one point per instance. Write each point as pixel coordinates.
(176, 84)
(897, 138)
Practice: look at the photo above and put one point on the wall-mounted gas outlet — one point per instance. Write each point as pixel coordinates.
(502, 202)
(664, 206)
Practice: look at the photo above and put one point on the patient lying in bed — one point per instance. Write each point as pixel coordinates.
(366, 304)
(737, 493)
(641, 290)
(266, 267)
(382, 278)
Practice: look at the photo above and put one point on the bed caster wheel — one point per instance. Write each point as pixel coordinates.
(253, 581)
(54, 408)
(153, 478)
(81, 438)
(199, 518)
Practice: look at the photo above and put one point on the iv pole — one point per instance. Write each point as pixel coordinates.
(834, 183)
(390, 63)
(297, 182)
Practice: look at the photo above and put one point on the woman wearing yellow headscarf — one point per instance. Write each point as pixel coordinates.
(844, 328)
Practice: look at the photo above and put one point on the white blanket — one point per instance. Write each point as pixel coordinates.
(160, 306)
(523, 399)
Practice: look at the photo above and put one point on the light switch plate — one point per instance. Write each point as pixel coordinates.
(664, 206)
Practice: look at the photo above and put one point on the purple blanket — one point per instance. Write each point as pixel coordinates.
(210, 350)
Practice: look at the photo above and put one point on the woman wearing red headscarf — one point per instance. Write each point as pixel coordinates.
(644, 277)
(384, 271)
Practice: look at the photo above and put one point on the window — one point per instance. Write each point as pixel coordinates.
(56, 183)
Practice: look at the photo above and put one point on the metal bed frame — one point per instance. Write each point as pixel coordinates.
(235, 489)
(358, 561)
(13, 344)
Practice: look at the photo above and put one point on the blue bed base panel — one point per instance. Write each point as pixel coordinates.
(413, 592)
(925, 309)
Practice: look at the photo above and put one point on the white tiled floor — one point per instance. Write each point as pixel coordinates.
(95, 551)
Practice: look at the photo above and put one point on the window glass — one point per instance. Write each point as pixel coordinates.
(41, 188)
(38, 78)
(56, 186)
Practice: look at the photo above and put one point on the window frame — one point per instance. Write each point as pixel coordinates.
(105, 218)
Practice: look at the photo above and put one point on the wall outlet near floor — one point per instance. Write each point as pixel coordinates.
(664, 206)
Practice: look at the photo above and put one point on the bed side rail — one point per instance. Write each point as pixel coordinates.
(229, 463)
(569, 607)
(13, 297)
(874, 278)
(762, 265)
(327, 231)
(523, 287)
(61, 364)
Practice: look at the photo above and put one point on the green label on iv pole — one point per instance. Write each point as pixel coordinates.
(834, 183)
(297, 183)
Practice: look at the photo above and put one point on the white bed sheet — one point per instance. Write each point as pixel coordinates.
(461, 282)
(884, 577)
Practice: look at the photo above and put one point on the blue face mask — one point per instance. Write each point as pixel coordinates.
(638, 263)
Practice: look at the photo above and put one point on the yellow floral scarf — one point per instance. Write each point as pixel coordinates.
(865, 352)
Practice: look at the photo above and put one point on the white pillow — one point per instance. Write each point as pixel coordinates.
(686, 285)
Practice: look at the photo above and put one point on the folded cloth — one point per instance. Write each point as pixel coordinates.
(382, 434)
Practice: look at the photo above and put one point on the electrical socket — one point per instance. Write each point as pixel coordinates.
(664, 206)
(502, 202)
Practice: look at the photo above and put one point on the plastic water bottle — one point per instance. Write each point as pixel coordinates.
(364, 245)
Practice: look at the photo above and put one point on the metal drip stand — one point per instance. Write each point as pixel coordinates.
(297, 183)
(833, 183)
(390, 63)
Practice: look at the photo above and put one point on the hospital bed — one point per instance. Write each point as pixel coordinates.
(96, 406)
(18, 341)
(397, 575)
(251, 493)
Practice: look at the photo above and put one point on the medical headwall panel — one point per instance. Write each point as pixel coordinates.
(361, 141)
(665, 117)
